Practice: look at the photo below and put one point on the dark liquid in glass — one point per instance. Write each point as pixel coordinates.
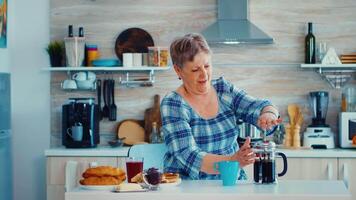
(264, 171)
(133, 168)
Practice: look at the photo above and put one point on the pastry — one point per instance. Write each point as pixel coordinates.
(169, 177)
(105, 180)
(103, 175)
(137, 179)
(103, 171)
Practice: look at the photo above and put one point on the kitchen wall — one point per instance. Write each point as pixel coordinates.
(28, 37)
(4, 60)
(266, 71)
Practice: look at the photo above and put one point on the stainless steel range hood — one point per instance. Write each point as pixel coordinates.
(233, 25)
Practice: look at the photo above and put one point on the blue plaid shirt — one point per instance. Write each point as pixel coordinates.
(189, 137)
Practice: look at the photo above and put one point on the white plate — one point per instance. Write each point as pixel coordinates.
(167, 185)
(99, 187)
(138, 190)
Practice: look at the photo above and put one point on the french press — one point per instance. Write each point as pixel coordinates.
(265, 165)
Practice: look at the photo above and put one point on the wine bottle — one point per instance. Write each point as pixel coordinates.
(310, 57)
(81, 32)
(70, 31)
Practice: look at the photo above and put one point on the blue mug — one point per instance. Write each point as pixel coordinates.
(228, 171)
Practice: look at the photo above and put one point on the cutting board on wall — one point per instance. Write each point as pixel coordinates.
(152, 114)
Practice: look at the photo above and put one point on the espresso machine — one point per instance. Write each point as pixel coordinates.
(318, 134)
(80, 123)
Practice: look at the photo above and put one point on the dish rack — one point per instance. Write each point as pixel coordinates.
(129, 76)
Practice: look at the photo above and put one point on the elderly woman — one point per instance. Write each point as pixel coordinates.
(199, 117)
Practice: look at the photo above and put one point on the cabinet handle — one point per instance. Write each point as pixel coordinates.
(346, 175)
(330, 171)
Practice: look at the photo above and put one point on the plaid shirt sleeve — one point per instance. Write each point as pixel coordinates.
(179, 138)
(246, 107)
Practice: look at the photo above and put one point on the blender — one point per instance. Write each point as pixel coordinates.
(318, 134)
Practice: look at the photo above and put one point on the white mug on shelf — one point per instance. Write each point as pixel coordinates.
(137, 59)
(69, 84)
(84, 76)
(127, 59)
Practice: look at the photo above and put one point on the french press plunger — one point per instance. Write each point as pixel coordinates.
(265, 165)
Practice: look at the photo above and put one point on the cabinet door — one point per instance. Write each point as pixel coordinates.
(308, 169)
(56, 172)
(347, 173)
(56, 166)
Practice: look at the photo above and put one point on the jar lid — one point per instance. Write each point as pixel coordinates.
(92, 46)
(266, 145)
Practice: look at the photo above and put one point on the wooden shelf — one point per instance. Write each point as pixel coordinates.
(109, 69)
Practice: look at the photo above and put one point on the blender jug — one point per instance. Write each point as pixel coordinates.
(264, 168)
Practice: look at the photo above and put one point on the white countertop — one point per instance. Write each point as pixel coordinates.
(108, 151)
(104, 151)
(319, 153)
(212, 190)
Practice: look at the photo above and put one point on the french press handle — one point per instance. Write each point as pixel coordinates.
(285, 164)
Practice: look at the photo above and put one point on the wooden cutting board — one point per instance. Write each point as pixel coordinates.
(131, 130)
(152, 114)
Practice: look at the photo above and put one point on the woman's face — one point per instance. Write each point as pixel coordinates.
(196, 74)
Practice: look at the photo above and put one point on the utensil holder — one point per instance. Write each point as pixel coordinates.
(74, 50)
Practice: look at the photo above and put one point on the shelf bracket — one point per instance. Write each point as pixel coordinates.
(336, 78)
(129, 80)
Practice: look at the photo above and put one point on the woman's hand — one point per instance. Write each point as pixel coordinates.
(245, 155)
(268, 118)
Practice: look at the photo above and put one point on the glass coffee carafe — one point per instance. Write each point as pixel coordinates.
(264, 168)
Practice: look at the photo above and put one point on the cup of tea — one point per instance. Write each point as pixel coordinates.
(76, 132)
(134, 165)
(228, 171)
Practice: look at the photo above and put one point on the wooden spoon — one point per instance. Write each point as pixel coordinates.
(292, 112)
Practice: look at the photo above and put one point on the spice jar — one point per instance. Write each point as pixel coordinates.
(153, 59)
(158, 56)
(163, 56)
(92, 53)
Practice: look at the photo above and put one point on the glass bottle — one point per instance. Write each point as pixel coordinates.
(310, 57)
(154, 137)
(70, 31)
(81, 32)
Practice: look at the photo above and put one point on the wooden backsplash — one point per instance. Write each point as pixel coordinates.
(268, 77)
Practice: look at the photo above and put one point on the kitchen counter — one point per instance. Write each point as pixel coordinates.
(212, 190)
(107, 151)
(104, 151)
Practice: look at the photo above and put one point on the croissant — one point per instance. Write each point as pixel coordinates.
(169, 177)
(103, 171)
(106, 180)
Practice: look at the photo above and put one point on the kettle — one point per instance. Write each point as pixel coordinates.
(264, 168)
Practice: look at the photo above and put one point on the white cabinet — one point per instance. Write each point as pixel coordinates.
(304, 169)
(347, 173)
(56, 172)
(309, 169)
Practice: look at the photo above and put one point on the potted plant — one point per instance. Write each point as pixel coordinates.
(56, 52)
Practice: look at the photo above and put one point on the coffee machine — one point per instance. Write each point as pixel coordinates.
(80, 123)
(318, 134)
